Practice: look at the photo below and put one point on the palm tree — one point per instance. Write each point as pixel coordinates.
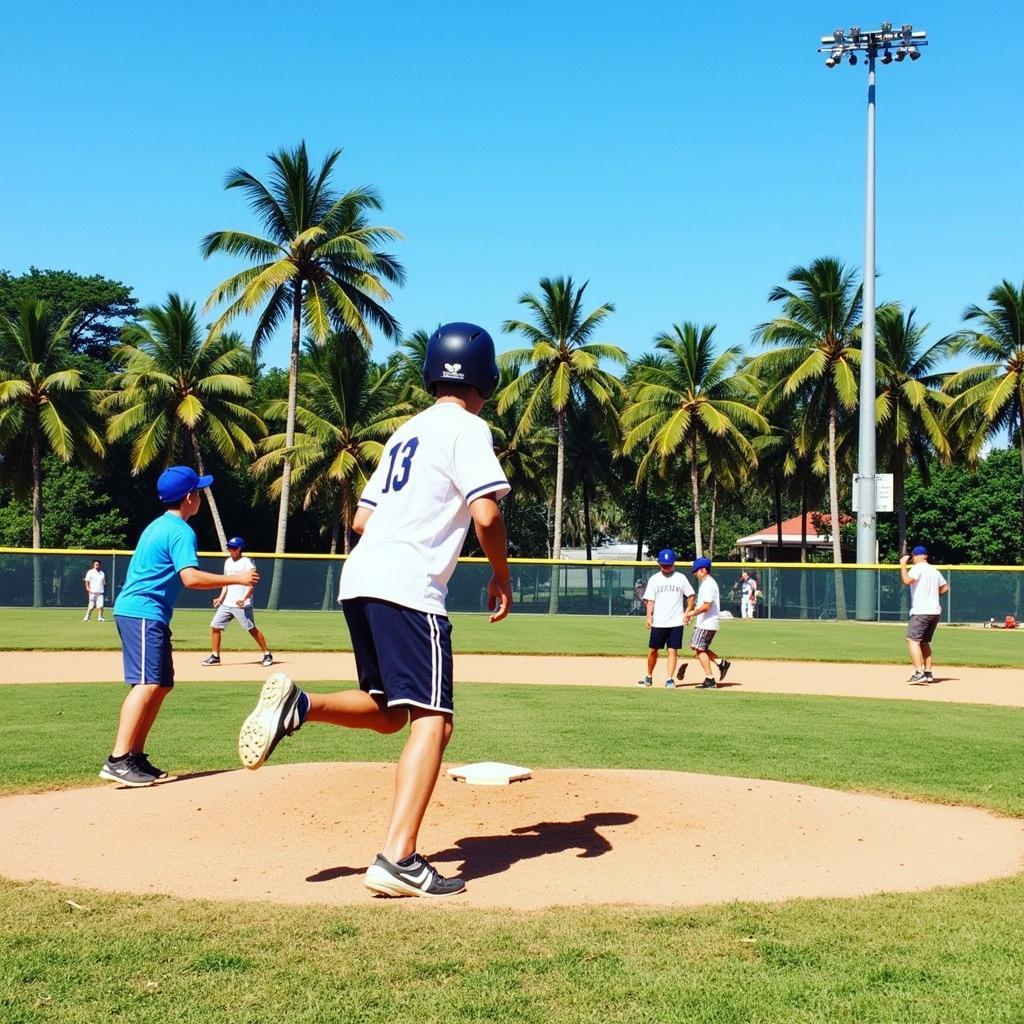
(815, 357)
(687, 401)
(319, 263)
(910, 404)
(178, 393)
(44, 406)
(990, 394)
(562, 365)
(408, 363)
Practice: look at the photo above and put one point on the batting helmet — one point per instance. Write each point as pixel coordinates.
(461, 354)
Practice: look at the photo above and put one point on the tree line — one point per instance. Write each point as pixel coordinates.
(590, 439)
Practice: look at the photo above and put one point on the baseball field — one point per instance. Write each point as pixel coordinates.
(620, 883)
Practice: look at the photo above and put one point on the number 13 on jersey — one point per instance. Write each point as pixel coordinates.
(398, 470)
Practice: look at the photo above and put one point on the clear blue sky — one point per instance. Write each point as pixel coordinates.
(681, 157)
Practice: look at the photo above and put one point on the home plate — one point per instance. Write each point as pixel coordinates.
(489, 773)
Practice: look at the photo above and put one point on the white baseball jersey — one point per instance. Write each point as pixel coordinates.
(430, 471)
(236, 591)
(96, 581)
(708, 592)
(925, 589)
(669, 594)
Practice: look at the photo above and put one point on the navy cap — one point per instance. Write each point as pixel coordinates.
(920, 550)
(666, 556)
(236, 542)
(176, 482)
(701, 563)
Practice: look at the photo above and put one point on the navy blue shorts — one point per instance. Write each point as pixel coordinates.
(403, 656)
(146, 651)
(666, 636)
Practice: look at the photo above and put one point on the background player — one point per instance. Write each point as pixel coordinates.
(926, 584)
(235, 602)
(667, 595)
(706, 613)
(95, 582)
(438, 473)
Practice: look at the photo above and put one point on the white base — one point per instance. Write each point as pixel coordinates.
(489, 773)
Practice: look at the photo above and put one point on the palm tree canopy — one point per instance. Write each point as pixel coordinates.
(174, 384)
(317, 240)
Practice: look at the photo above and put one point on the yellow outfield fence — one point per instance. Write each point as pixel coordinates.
(53, 577)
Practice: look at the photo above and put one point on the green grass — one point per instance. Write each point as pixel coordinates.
(944, 956)
(60, 629)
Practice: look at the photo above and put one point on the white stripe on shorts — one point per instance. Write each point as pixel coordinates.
(435, 661)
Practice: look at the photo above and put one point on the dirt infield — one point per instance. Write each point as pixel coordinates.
(958, 685)
(305, 833)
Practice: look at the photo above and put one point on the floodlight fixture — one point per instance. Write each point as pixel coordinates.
(915, 53)
(853, 58)
(887, 56)
(901, 54)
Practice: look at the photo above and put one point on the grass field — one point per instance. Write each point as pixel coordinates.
(945, 956)
(786, 640)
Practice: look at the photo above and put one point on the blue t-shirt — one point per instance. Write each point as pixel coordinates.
(151, 587)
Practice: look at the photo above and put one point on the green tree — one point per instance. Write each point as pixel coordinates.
(179, 393)
(688, 401)
(319, 264)
(561, 365)
(44, 407)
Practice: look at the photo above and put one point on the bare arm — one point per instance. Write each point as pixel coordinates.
(650, 611)
(692, 613)
(196, 579)
(904, 575)
(944, 589)
(219, 599)
(490, 531)
(361, 518)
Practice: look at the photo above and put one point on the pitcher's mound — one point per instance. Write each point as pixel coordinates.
(305, 834)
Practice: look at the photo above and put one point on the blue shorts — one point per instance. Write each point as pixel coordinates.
(146, 651)
(403, 656)
(666, 636)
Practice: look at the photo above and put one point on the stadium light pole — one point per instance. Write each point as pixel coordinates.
(885, 44)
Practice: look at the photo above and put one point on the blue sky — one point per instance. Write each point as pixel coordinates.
(681, 159)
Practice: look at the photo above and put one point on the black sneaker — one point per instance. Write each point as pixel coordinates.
(416, 878)
(275, 716)
(268, 659)
(917, 677)
(213, 659)
(682, 671)
(147, 766)
(126, 772)
(929, 678)
(708, 684)
(723, 667)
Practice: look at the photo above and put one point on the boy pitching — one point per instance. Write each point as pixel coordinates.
(165, 558)
(706, 614)
(437, 474)
(235, 602)
(95, 582)
(926, 584)
(667, 595)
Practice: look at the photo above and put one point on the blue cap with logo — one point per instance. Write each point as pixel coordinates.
(920, 550)
(701, 563)
(236, 542)
(666, 556)
(176, 482)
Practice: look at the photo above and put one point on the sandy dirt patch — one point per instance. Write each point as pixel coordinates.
(955, 685)
(305, 834)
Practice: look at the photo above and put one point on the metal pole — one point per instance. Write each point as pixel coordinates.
(866, 466)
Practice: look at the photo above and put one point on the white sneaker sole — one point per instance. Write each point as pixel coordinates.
(257, 732)
(111, 777)
(385, 884)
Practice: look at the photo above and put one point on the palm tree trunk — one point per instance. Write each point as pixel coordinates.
(641, 526)
(37, 515)
(222, 537)
(804, 602)
(833, 507)
(556, 549)
(698, 532)
(777, 489)
(587, 541)
(1020, 435)
(899, 470)
(325, 604)
(289, 440)
(714, 517)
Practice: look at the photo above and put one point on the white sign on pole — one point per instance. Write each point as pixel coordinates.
(883, 492)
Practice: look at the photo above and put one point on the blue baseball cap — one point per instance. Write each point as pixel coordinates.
(701, 563)
(236, 542)
(920, 550)
(176, 482)
(666, 556)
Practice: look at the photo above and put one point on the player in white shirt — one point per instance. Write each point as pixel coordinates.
(95, 581)
(927, 585)
(235, 602)
(437, 474)
(667, 596)
(707, 616)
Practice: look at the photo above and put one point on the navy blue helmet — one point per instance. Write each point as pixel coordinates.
(461, 354)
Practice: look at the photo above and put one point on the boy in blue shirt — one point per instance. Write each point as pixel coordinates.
(165, 558)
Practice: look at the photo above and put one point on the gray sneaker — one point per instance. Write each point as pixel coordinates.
(126, 772)
(147, 766)
(213, 659)
(268, 660)
(413, 878)
(275, 716)
(917, 677)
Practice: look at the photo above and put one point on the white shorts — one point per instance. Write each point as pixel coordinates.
(226, 612)
(95, 601)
